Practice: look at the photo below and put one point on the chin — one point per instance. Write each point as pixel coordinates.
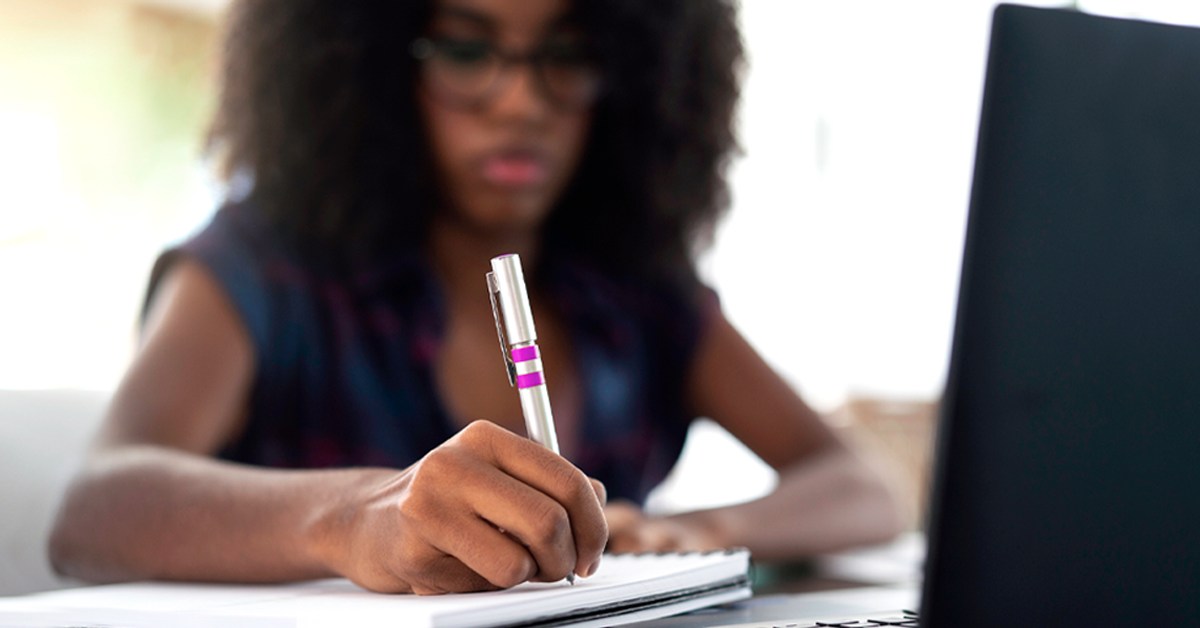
(513, 212)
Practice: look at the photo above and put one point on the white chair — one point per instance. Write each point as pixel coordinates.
(43, 435)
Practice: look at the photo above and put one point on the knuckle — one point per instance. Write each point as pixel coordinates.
(417, 505)
(409, 511)
(570, 485)
(600, 490)
(551, 525)
(479, 432)
(579, 489)
(439, 468)
(435, 464)
(511, 571)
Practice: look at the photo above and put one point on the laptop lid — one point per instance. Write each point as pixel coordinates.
(1067, 481)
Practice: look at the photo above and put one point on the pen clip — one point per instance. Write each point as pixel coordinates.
(493, 294)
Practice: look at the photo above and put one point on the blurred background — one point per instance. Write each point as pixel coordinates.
(839, 260)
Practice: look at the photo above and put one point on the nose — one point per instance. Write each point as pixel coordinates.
(520, 96)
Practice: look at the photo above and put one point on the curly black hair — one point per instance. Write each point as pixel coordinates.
(318, 105)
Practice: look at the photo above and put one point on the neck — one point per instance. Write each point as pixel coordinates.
(462, 256)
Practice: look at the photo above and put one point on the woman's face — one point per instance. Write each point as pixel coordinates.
(505, 136)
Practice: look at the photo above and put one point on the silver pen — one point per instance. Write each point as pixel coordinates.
(518, 343)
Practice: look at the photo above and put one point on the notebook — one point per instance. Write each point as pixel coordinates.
(626, 588)
(1067, 469)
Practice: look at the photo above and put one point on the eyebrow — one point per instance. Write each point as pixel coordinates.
(485, 20)
(467, 14)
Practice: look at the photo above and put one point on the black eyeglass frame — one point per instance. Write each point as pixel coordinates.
(424, 48)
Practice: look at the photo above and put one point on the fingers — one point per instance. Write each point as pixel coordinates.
(630, 531)
(550, 474)
(646, 536)
(539, 523)
(485, 552)
(624, 522)
(388, 559)
(601, 492)
(439, 520)
(449, 575)
(621, 516)
(487, 509)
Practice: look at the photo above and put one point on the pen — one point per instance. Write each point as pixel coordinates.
(518, 344)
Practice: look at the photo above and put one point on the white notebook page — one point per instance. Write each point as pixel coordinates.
(620, 578)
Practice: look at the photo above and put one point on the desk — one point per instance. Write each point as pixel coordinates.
(166, 606)
(338, 602)
(785, 606)
(842, 584)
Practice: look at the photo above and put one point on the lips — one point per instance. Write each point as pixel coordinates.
(515, 168)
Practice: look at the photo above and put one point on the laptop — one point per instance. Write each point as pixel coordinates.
(1067, 471)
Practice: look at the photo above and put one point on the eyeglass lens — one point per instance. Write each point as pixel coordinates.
(471, 71)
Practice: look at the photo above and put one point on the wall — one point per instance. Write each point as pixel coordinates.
(102, 107)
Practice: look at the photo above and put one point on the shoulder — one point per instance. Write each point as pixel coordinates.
(241, 259)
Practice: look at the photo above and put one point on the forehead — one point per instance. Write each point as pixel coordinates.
(513, 21)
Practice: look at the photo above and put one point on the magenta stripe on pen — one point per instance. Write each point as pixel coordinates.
(525, 354)
(529, 380)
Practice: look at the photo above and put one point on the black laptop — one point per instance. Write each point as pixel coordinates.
(1067, 473)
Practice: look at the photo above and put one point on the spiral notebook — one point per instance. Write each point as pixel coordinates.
(626, 588)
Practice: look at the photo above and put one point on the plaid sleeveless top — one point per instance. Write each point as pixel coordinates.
(345, 365)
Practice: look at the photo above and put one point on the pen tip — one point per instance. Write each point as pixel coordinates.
(571, 578)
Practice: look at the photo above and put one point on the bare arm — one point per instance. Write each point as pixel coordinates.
(150, 502)
(826, 499)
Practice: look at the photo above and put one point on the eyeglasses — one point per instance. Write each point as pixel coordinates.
(470, 73)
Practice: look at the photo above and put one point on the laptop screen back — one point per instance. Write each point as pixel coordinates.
(1068, 474)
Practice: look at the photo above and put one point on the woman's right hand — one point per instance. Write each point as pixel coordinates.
(487, 509)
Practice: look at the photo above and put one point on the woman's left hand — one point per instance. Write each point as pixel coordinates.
(631, 531)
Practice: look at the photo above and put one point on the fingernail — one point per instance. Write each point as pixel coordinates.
(592, 570)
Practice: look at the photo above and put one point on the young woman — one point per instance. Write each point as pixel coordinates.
(319, 390)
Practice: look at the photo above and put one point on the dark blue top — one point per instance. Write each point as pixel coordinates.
(345, 364)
